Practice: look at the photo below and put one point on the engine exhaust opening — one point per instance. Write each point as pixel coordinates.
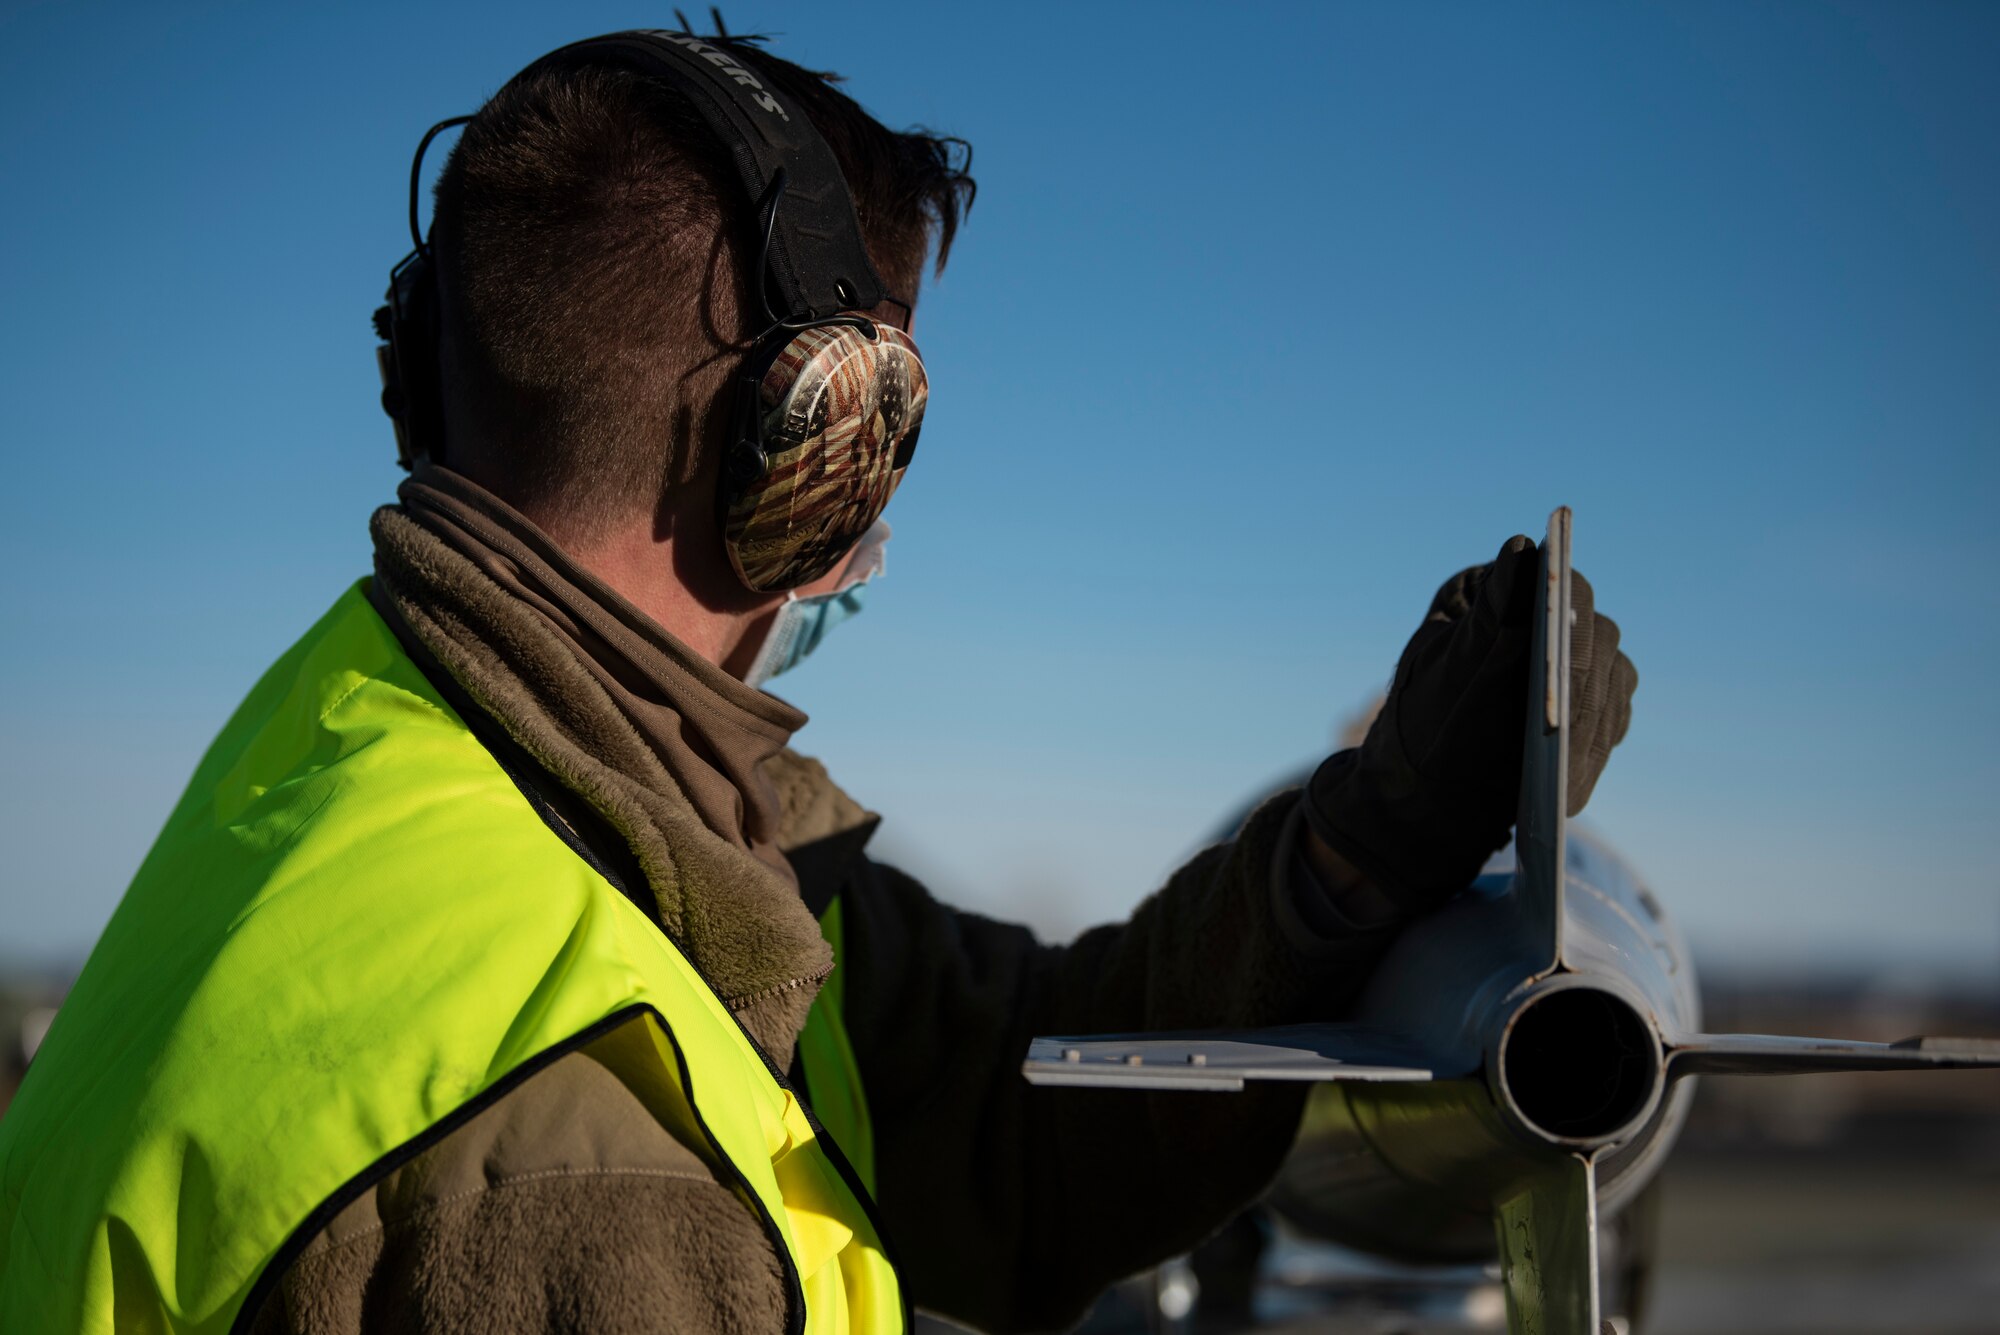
(1580, 1065)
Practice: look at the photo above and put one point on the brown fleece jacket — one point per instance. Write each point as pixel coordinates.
(567, 1206)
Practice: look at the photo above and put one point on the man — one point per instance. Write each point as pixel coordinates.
(458, 991)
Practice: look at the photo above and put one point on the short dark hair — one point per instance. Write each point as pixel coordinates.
(583, 221)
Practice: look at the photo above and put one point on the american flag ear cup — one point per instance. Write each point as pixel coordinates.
(840, 409)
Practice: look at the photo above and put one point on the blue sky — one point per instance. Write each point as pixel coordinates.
(1268, 318)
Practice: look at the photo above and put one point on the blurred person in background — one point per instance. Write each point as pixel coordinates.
(504, 969)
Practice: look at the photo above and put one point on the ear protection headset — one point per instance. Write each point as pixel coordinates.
(828, 405)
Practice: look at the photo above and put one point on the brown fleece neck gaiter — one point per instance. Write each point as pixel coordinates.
(663, 743)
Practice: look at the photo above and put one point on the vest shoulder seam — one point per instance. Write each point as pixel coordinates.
(326, 711)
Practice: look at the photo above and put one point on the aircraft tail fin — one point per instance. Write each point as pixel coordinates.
(1541, 825)
(1548, 1250)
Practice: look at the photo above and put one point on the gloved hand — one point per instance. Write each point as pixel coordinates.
(1432, 791)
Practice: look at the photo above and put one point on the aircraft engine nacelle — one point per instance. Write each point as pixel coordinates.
(1574, 1062)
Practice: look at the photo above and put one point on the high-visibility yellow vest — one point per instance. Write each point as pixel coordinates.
(354, 933)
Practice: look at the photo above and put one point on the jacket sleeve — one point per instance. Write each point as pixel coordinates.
(1010, 1206)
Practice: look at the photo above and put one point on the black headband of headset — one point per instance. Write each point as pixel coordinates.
(818, 261)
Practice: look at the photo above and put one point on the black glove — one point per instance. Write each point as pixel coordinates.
(1432, 791)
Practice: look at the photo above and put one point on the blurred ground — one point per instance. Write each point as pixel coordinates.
(1843, 1242)
(1759, 1240)
(1837, 1204)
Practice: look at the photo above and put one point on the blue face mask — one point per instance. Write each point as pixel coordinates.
(802, 623)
